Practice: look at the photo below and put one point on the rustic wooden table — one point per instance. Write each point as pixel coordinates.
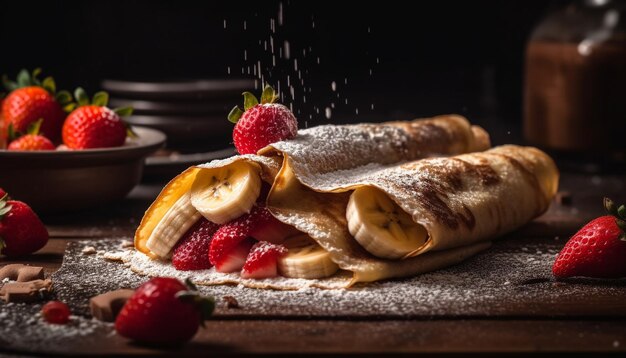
(598, 323)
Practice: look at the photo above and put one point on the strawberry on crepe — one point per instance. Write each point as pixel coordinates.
(256, 244)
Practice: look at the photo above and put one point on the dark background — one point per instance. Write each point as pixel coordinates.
(433, 57)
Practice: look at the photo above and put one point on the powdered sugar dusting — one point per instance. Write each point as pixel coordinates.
(512, 278)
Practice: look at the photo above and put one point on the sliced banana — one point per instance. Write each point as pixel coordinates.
(381, 226)
(226, 193)
(174, 224)
(305, 259)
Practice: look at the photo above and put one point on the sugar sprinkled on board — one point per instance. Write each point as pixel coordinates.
(489, 281)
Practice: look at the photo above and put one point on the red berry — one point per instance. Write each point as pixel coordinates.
(93, 127)
(262, 260)
(231, 242)
(230, 245)
(26, 105)
(2, 193)
(594, 251)
(21, 230)
(154, 313)
(31, 142)
(190, 253)
(55, 312)
(263, 124)
(265, 227)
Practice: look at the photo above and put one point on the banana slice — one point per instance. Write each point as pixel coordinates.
(305, 259)
(174, 224)
(224, 194)
(381, 226)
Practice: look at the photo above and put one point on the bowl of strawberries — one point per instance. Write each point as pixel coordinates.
(63, 152)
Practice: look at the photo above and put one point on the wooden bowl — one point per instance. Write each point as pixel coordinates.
(61, 181)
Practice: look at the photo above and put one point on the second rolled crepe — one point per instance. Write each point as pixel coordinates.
(460, 201)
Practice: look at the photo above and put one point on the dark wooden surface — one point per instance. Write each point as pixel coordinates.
(597, 325)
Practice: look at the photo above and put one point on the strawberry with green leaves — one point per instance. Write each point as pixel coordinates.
(21, 230)
(32, 140)
(598, 249)
(164, 311)
(262, 123)
(93, 125)
(30, 100)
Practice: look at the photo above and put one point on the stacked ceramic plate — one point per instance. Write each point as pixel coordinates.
(192, 113)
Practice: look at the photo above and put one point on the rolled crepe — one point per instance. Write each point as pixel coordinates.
(322, 150)
(323, 155)
(461, 201)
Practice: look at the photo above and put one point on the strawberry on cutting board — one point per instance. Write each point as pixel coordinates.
(163, 311)
(190, 252)
(21, 231)
(262, 123)
(30, 100)
(93, 125)
(598, 249)
(32, 140)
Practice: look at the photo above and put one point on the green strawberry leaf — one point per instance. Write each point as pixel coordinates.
(8, 84)
(124, 111)
(249, 100)
(81, 97)
(36, 72)
(12, 134)
(69, 107)
(100, 99)
(49, 85)
(235, 114)
(23, 78)
(207, 306)
(34, 127)
(63, 97)
(621, 224)
(4, 210)
(192, 286)
(621, 212)
(269, 95)
(610, 206)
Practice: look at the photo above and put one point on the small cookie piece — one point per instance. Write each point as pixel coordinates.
(106, 306)
(21, 273)
(25, 291)
(231, 302)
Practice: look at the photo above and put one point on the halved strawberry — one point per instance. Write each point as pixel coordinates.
(190, 251)
(262, 260)
(265, 227)
(235, 259)
(230, 245)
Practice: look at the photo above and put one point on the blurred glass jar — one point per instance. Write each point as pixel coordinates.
(575, 87)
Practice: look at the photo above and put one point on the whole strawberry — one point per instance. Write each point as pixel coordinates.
(190, 253)
(596, 250)
(31, 100)
(93, 125)
(21, 231)
(32, 140)
(163, 311)
(261, 124)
